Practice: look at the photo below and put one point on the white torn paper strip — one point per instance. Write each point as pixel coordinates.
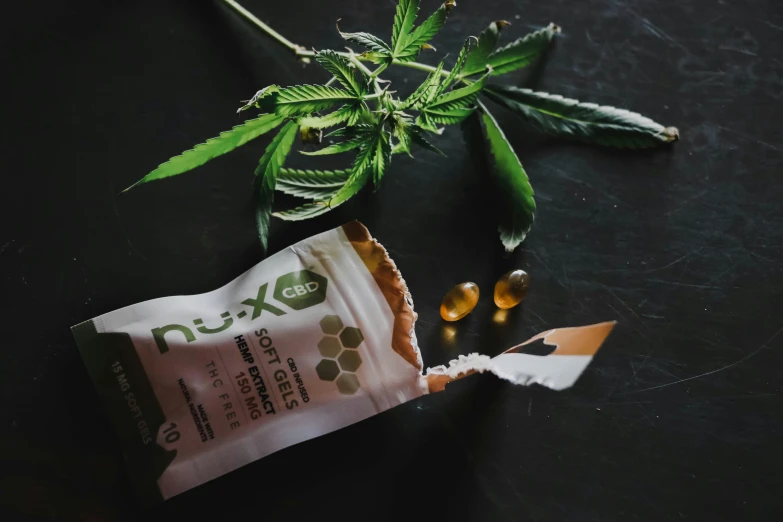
(574, 349)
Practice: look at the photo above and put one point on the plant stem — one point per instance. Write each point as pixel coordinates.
(354, 59)
(305, 53)
(421, 67)
(261, 25)
(377, 72)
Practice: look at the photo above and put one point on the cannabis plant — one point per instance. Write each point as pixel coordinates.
(367, 118)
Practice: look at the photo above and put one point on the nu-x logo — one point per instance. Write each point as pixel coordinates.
(297, 290)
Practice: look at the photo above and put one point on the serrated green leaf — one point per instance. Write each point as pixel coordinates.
(458, 65)
(521, 52)
(337, 148)
(311, 184)
(417, 136)
(266, 178)
(375, 57)
(371, 42)
(257, 98)
(404, 18)
(427, 89)
(341, 69)
(488, 39)
(582, 121)
(303, 99)
(212, 148)
(461, 98)
(346, 113)
(314, 177)
(306, 211)
(517, 206)
(401, 132)
(423, 33)
(351, 132)
(354, 117)
(423, 121)
(444, 117)
(360, 174)
(381, 156)
(315, 193)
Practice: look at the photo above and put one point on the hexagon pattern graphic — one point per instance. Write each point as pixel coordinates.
(349, 360)
(339, 347)
(351, 337)
(347, 383)
(331, 324)
(329, 346)
(327, 370)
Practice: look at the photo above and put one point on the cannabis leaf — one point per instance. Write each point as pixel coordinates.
(349, 114)
(341, 69)
(378, 47)
(521, 52)
(408, 45)
(452, 107)
(458, 98)
(407, 134)
(517, 206)
(487, 40)
(212, 148)
(583, 121)
(258, 98)
(306, 211)
(374, 124)
(358, 136)
(311, 184)
(428, 89)
(371, 161)
(304, 99)
(266, 177)
(404, 17)
(381, 156)
(337, 148)
(458, 66)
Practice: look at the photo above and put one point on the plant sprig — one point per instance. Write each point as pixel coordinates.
(374, 124)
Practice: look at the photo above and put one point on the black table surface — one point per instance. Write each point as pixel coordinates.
(679, 416)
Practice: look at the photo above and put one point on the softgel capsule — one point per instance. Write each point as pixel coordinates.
(312, 339)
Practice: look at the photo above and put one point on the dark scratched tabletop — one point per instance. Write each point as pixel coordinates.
(678, 418)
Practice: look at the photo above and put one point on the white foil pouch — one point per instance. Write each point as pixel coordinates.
(312, 339)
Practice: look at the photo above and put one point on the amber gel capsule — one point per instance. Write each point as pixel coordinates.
(511, 288)
(459, 301)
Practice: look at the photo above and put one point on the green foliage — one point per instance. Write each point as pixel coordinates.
(521, 52)
(477, 58)
(454, 106)
(372, 43)
(337, 148)
(374, 124)
(259, 98)
(516, 204)
(458, 66)
(426, 91)
(348, 114)
(404, 18)
(343, 71)
(304, 99)
(583, 121)
(212, 148)
(266, 178)
(413, 42)
(311, 184)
